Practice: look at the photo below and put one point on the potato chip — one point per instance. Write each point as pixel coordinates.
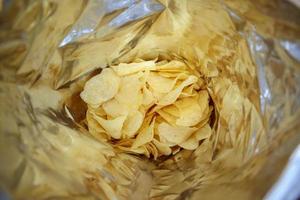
(174, 65)
(148, 97)
(132, 124)
(183, 76)
(152, 148)
(95, 129)
(190, 144)
(177, 75)
(203, 99)
(206, 118)
(160, 84)
(174, 134)
(156, 95)
(101, 88)
(126, 142)
(162, 147)
(97, 111)
(126, 69)
(193, 142)
(204, 132)
(190, 112)
(146, 151)
(171, 119)
(130, 93)
(140, 150)
(174, 94)
(113, 127)
(145, 136)
(188, 91)
(172, 110)
(114, 108)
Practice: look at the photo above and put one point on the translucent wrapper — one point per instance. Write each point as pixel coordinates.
(248, 53)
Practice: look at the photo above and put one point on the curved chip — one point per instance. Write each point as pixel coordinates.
(167, 117)
(114, 108)
(148, 97)
(101, 88)
(130, 93)
(193, 142)
(203, 99)
(131, 68)
(97, 111)
(133, 123)
(95, 129)
(174, 94)
(113, 127)
(190, 144)
(160, 84)
(190, 112)
(174, 134)
(172, 110)
(204, 132)
(152, 148)
(172, 66)
(145, 136)
(162, 147)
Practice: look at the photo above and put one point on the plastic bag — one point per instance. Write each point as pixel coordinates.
(50, 48)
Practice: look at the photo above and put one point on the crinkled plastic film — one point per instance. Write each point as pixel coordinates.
(246, 51)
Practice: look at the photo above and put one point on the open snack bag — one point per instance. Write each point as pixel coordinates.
(147, 99)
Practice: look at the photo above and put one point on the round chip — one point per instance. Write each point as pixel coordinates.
(101, 88)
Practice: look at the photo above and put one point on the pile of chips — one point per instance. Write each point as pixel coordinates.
(147, 107)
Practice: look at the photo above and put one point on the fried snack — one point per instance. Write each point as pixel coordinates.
(148, 107)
